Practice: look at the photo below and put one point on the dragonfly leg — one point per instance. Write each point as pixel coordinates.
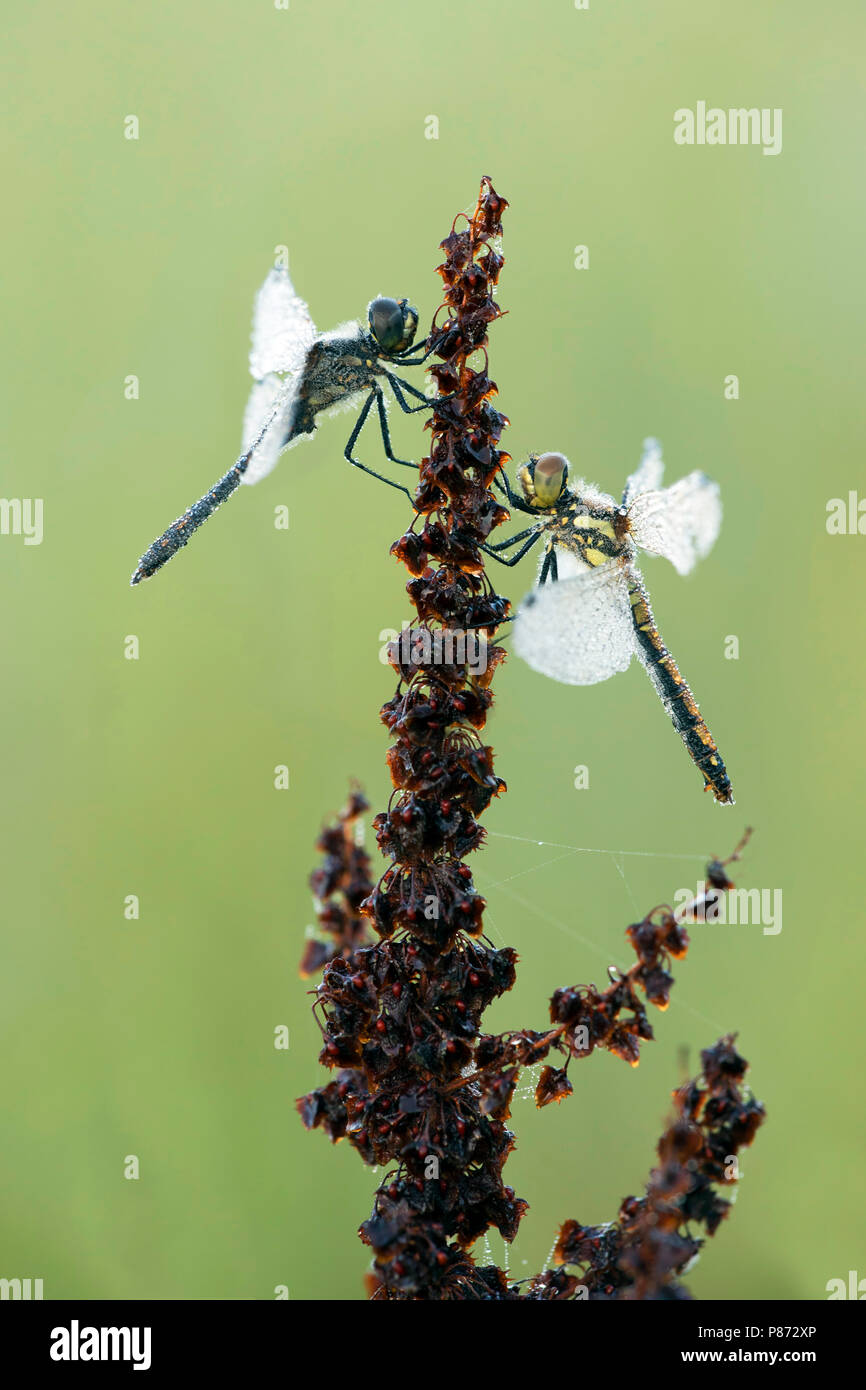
(376, 395)
(549, 568)
(469, 627)
(386, 433)
(514, 498)
(512, 540)
(527, 545)
(398, 385)
(428, 401)
(407, 359)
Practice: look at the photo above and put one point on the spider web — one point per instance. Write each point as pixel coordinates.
(618, 859)
(524, 1092)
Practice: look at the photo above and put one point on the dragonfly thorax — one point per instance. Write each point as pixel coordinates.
(587, 530)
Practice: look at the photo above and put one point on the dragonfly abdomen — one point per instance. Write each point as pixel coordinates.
(178, 533)
(677, 698)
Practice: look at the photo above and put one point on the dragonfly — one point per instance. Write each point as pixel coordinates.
(299, 374)
(590, 612)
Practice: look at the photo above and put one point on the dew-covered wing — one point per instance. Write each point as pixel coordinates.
(283, 329)
(648, 474)
(267, 424)
(679, 522)
(578, 630)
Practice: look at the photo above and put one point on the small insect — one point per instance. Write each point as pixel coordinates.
(590, 613)
(298, 374)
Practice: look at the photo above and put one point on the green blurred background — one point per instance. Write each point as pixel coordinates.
(259, 647)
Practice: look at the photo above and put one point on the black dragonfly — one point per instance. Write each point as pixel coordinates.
(299, 374)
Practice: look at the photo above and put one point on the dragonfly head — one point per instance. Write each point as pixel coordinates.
(392, 323)
(543, 479)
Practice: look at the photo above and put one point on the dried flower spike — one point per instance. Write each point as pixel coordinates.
(419, 1089)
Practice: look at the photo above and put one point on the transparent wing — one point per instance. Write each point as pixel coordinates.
(679, 522)
(266, 424)
(578, 630)
(648, 473)
(283, 330)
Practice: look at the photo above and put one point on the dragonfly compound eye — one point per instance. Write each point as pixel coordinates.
(548, 478)
(392, 323)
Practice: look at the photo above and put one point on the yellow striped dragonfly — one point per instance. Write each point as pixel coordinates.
(590, 612)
